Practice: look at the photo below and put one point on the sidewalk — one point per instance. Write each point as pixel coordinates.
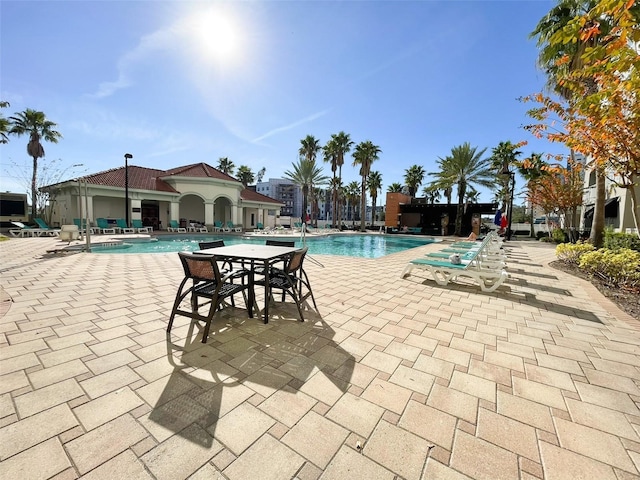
(392, 378)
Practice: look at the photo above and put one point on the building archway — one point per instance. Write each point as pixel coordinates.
(222, 210)
(191, 210)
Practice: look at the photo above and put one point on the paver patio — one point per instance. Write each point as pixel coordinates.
(392, 378)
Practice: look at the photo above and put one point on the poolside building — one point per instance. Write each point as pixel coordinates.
(188, 194)
(433, 218)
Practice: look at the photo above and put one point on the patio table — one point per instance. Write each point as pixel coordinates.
(263, 255)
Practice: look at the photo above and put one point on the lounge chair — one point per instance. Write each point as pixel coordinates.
(292, 280)
(124, 227)
(233, 228)
(197, 228)
(217, 226)
(46, 229)
(207, 282)
(137, 224)
(81, 223)
(489, 275)
(259, 226)
(174, 226)
(105, 227)
(24, 230)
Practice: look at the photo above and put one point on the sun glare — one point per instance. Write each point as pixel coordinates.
(217, 36)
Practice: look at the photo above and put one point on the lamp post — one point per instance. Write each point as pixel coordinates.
(512, 175)
(127, 156)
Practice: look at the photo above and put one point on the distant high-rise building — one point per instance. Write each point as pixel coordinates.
(285, 191)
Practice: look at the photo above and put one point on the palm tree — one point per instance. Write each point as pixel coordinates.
(395, 188)
(463, 168)
(531, 169)
(309, 148)
(4, 125)
(315, 194)
(305, 174)
(548, 59)
(335, 185)
(448, 192)
(245, 175)
(472, 195)
(374, 184)
(340, 145)
(431, 194)
(413, 178)
(329, 156)
(364, 155)
(504, 156)
(225, 165)
(352, 195)
(34, 123)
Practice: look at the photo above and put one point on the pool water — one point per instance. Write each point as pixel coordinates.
(352, 245)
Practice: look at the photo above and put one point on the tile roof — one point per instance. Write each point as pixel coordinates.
(144, 178)
(252, 196)
(200, 170)
(139, 177)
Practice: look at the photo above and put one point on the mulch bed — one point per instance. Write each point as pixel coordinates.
(627, 301)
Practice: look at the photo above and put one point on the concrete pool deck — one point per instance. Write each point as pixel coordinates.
(392, 378)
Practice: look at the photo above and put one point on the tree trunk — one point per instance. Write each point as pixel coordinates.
(635, 208)
(363, 205)
(373, 210)
(305, 196)
(459, 212)
(531, 220)
(33, 188)
(597, 227)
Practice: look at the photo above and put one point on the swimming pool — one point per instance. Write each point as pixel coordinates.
(351, 245)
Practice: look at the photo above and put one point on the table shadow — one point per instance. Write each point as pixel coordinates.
(209, 380)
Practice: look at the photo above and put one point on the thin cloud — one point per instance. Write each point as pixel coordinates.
(284, 128)
(156, 41)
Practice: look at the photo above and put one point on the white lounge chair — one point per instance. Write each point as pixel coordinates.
(488, 271)
(174, 226)
(139, 226)
(23, 230)
(445, 272)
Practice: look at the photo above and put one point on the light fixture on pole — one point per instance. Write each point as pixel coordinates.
(127, 156)
(512, 175)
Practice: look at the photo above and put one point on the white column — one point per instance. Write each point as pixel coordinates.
(208, 213)
(174, 213)
(135, 203)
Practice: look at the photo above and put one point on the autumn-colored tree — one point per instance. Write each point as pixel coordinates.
(558, 189)
(603, 123)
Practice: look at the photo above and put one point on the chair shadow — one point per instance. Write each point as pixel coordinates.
(523, 282)
(520, 271)
(504, 292)
(208, 382)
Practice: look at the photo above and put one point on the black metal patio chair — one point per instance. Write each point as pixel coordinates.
(207, 282)
(293, 280)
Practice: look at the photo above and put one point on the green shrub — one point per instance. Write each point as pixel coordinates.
(558, 235)
(618, 268)
(571, 252)
(616, 241)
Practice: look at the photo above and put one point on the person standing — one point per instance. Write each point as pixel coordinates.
(504, 221)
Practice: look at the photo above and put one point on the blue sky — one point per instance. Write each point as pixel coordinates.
(175, 83)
